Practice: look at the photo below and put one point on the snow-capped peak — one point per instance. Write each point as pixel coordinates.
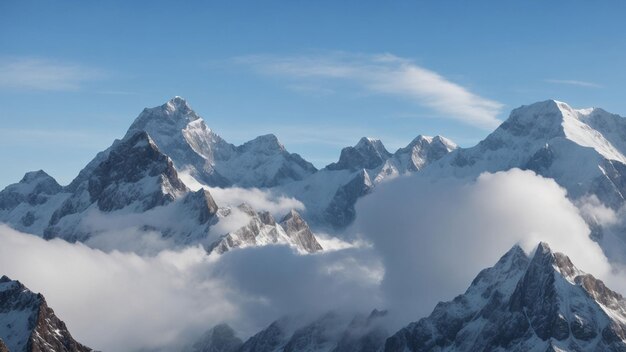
(177, 103)
(172, 116)
(368, 153)
(366, 143)
(266, 142)
(32, 176)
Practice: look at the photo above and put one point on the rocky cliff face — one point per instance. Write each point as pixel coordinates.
(27, 324)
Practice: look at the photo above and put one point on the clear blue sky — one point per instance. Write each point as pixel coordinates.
(318, 74)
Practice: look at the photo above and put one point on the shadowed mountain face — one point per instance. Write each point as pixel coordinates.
(27, 324)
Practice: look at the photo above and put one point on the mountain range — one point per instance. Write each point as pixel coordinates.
(157, 178)
(161, 176)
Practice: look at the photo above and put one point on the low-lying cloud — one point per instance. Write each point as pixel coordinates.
(126, 302)
(259, 199)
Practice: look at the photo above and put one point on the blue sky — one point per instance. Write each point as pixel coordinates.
(318, 74)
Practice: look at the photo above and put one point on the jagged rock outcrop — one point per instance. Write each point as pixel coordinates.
(27, 324)
(262, 229)
(298, 230)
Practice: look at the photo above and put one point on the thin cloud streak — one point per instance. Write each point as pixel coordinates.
(572, 82)
(386, 74)
(44, 74)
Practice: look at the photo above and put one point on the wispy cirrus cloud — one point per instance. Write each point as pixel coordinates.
(573, 82)
(43, 74)
(386, 74)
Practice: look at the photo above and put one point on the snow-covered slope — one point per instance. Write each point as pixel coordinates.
(330, 194)
(27, 324)
(543, 303)
(582, 150)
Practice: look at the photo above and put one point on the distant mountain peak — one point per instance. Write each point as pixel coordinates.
(34, 176)
(368, 153)
(173, 116)
(266, 142)
(178, 103)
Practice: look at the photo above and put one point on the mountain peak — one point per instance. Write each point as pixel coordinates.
(171, 117)
(266, 142)
(177, 103)
(34, 176)
(368, 153)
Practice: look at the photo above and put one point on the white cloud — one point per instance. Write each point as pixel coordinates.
(43, 74)
(573, 82)
(388, 74)
(261, 200)
(126, 302)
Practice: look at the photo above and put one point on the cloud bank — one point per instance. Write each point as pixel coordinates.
(125, 302)
(387, 74)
